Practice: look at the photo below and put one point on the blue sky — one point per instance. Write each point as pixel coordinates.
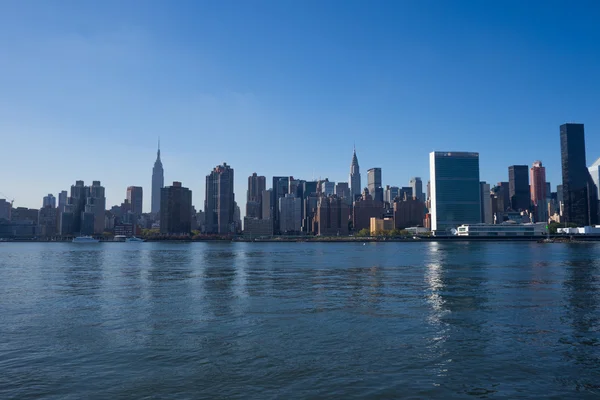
(286, 88)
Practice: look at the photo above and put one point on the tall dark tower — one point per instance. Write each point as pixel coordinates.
(158, 182)
(580, 195)
(518, 186)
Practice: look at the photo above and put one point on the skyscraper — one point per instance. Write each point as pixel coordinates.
(175, 209)
(290, 214)
(135, 197)
(355, 188)
(455, 190)
(158, 182)
(62, 200)
(417, 188)
(580, 195)
(374, 182)
(342, 190)
(96, 204)
(76, 204)
(595, 174)
(327, 188)
(537, 175)
(518, 186)
(486, 204)
(219, 206)
(281, 187)
(49, 201)
(391, 192)
(256, 186)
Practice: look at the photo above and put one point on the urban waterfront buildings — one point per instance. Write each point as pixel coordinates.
(390, 193)
(580, 195)
(266, 207)
(374, 183)
(254, 195)
(96, 204)
(219, 206)
(62, 200)
(332, 216)
(417, 188)
(595, 174)
(49, 201)
(158, 182)
(408, 212)
(355, 188)
(290, 214)
(539, 191)
(518, 186)
(364, 209)
(135, 197)
(455, 190)
(175, 209)
(486, 203)
(5, 209)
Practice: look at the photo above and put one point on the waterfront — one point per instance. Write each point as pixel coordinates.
(300, 320)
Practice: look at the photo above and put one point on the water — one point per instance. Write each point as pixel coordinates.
(299, 320)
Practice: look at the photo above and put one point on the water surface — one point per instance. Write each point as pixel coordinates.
(299, 320)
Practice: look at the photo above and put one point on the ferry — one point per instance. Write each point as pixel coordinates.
(134, 239)
(85, 239)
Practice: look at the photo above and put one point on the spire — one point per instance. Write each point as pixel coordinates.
(158, 152)
(354, 158)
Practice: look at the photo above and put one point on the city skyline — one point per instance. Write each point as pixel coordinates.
(460, 91)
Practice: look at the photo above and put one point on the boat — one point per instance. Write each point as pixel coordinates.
(134, 239)
(85, 239)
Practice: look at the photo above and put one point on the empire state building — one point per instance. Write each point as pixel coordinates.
(158, 182)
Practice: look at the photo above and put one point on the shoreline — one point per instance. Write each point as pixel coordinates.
(282, 239)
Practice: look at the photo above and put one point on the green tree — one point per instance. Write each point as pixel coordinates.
(363, 233)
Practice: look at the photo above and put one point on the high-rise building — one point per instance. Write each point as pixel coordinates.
(364, 209)
(290, 214)
(135, 197)
(595, 174)
(487, 216)
(175, 209)
(391, 192)
(374, 182)
(518, 181)
(342, 190)
(332, 216)
(280, 189)
(158, 182)
(355, 188)
(76, 204)
(256, 186)
(48, 221)
(219, 206)
(266, 205)
(580, 195)
(49, 201)
(62, 200)
(417, 188)
(5, 209)
(455, 190)
(97, 199)
(408, 212)
(327, 188)
(539, 193)
(504, 193)
(406, 192)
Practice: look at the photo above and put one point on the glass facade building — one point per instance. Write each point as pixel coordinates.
(580, 195)
(518, 187)
(455, 190)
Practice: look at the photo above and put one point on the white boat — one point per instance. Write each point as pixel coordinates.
(134, 239)
(85, 239)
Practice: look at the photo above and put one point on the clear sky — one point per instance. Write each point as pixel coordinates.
(285, 88)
